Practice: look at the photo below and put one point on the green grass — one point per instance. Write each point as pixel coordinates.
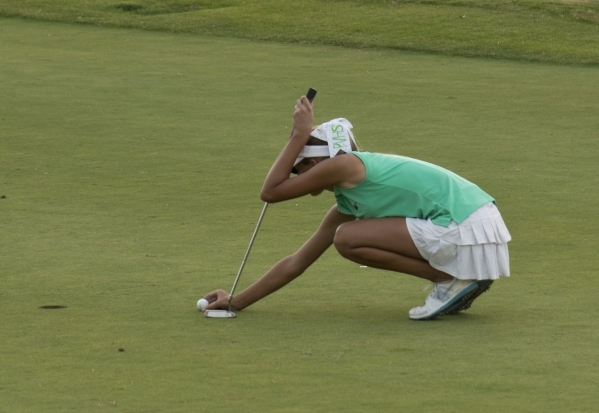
(131, 162)
(531, 30)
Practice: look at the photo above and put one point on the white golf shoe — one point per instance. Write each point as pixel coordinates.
(443, 297)
(466, 301)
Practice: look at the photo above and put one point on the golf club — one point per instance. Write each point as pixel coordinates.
(228, 313)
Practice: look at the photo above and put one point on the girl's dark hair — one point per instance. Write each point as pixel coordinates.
(315, 142)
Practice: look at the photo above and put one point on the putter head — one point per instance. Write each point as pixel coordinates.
(219, 314)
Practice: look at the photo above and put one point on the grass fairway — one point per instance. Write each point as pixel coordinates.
(131, 163)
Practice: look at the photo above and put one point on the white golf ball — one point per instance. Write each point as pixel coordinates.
(202, 303)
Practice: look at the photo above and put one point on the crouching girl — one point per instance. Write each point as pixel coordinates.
(392, 212)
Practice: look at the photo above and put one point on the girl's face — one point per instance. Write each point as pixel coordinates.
(304, 167)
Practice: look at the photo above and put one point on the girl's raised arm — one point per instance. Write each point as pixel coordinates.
(278, 185)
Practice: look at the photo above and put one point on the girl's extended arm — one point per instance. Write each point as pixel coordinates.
(287, 269)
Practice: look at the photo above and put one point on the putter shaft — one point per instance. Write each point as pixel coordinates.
(246, 256)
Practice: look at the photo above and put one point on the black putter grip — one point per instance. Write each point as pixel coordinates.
(311, 94)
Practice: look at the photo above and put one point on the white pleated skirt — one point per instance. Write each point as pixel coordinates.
(476, 249)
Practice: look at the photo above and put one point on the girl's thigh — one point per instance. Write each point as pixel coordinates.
(389, 234)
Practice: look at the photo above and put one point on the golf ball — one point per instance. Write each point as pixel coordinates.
(202, 303)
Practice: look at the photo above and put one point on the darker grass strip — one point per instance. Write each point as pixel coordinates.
(560, 32)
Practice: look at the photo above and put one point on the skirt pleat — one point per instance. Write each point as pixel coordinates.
(475, 249)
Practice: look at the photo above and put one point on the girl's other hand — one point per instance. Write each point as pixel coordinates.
(218, 300)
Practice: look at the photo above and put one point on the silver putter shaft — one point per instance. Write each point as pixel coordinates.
(228, 313)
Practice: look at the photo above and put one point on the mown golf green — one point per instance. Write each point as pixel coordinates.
(131, 164)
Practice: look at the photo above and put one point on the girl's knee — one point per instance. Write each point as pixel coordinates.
(342, 239)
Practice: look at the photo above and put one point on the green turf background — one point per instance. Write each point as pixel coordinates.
(131, 163)
(558, 31)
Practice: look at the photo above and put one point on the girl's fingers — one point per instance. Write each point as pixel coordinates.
(302, 102)
(214, 296)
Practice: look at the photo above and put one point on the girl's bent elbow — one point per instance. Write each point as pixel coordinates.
(264, 196)
(268, 197)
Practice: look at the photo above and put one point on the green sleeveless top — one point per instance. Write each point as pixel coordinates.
(397, 186)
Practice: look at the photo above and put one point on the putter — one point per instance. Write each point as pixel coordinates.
(228, 313)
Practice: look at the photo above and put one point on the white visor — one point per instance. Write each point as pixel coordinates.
(338, 136)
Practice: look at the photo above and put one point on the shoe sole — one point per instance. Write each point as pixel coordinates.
(458, 298)
(466, 301)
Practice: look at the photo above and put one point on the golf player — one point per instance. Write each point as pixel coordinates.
(394, 213)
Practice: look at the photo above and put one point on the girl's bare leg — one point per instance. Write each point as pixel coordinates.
(385, 243)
